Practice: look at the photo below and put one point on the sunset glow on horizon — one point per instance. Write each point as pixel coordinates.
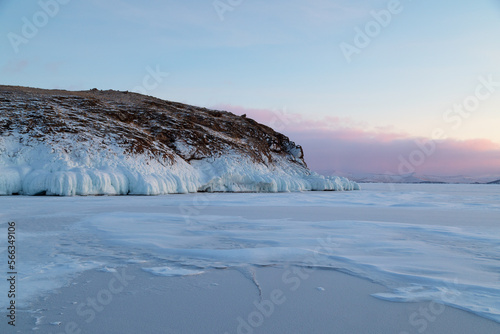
(338, 145)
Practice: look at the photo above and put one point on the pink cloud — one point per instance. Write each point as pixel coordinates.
(343, 145)
(53, 67)
(15, 66)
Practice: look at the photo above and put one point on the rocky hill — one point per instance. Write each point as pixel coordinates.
(96, 142)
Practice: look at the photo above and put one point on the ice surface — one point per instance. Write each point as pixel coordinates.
(169, 272)
(427, 242)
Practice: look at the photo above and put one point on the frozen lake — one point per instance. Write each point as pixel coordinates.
(423, 242)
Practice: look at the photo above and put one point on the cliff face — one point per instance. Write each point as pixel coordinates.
(110, 142)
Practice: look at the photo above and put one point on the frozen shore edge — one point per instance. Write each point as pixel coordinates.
(95, 183)
(81, 181)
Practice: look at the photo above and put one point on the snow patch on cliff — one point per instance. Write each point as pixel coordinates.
(43, 169)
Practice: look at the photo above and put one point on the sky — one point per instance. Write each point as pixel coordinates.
(396, 86)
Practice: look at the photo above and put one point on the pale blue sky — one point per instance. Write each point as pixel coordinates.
(272, 55)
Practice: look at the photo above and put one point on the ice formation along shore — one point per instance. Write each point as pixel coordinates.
(117, 143)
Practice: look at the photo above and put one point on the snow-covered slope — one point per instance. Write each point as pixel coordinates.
(109, 142)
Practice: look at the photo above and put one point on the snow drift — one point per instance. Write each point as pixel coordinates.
(116, 143)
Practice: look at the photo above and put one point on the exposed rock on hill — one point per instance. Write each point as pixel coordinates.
(109, 142)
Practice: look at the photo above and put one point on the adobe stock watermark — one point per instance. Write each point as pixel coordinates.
(454, 118)
(31, 26)
(372, 29)
(426, 315)
(199, 202)
(223, 6)
(280, 119)
(151, 81)
(94, 305)
(292, 278)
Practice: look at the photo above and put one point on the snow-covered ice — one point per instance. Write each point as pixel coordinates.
(168, 271)
(423, 242)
